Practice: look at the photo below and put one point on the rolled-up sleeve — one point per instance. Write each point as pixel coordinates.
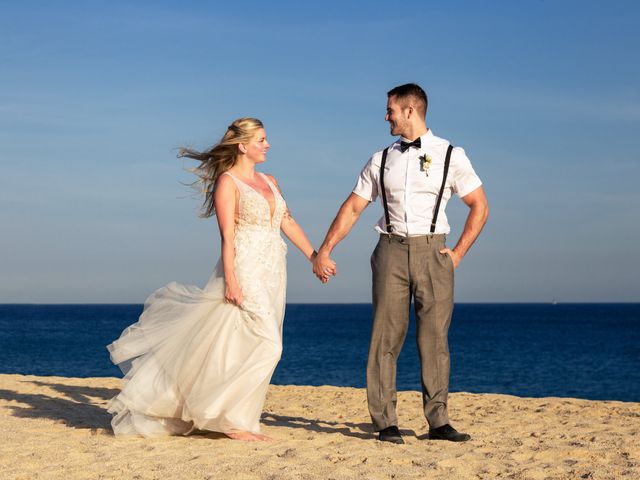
(463, 177)
(367, 184)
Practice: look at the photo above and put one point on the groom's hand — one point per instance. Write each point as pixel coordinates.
(455, 256)
(324, 267)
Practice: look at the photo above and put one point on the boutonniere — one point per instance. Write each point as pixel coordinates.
(425, 163)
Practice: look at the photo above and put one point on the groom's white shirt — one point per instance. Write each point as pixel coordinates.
(411, 193)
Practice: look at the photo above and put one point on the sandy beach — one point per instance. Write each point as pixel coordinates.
(56, 427)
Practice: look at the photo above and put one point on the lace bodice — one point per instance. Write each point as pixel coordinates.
(254, 209)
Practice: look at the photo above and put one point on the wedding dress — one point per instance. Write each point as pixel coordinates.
(193, 361)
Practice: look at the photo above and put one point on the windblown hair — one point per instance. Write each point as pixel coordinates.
(220, 158)
(411, 91)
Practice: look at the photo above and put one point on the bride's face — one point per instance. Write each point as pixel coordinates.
(256, 149)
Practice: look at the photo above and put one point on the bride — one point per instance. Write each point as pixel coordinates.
(202, 359)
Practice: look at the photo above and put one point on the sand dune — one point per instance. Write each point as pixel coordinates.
(55, 427)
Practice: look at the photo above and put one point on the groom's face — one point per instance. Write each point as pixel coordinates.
(396, 116)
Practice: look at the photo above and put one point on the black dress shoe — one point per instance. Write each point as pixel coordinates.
(447, 432)
(390, 434)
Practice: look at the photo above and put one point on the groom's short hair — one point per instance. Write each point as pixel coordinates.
(411, 91)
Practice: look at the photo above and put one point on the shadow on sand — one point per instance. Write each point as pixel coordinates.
(77, 407)
(357, 430)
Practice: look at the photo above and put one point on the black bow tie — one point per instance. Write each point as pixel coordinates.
(404, 146)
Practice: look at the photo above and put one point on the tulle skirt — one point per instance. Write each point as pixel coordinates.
(193, 361)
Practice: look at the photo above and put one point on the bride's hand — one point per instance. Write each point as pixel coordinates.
(233, 293)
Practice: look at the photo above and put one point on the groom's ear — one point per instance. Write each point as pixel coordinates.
(410, 109)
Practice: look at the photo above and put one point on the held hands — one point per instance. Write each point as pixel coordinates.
(233, 293)
(323, 266)
(455, 257)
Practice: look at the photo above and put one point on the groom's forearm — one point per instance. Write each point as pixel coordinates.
(346, 218)
(339, 229)
(476, 219)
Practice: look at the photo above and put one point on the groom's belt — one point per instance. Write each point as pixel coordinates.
(430, 239)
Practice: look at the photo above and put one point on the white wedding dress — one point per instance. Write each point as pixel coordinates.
(193, 361)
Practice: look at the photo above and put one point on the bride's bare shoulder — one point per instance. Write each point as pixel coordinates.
(225, 184)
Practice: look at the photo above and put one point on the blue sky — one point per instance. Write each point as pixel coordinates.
(95, 97)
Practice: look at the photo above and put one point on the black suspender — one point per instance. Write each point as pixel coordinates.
(384, 192)
(447, 160)
(387, 220)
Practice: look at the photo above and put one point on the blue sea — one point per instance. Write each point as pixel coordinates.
(587, 351)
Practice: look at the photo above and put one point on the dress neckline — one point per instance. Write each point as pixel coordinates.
(271, 187)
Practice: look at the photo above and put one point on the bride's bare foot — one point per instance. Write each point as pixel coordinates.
(264, 438)
(248, 437)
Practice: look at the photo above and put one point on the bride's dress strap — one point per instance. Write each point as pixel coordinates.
(239, 183)
(274, 188)
(236, 180)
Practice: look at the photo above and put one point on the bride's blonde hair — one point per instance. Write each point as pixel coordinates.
(220, 158)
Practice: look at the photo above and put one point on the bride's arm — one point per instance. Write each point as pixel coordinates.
(294, 232)
(225, 203)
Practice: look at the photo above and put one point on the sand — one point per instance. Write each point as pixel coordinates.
(56, 427)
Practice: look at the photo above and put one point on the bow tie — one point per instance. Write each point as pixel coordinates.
(404, 146)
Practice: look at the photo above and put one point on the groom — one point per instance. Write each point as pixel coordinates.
(414, 177)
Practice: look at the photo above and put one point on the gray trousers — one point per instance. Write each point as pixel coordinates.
(405, 269)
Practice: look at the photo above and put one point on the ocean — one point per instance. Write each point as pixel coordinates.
(589, 351)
